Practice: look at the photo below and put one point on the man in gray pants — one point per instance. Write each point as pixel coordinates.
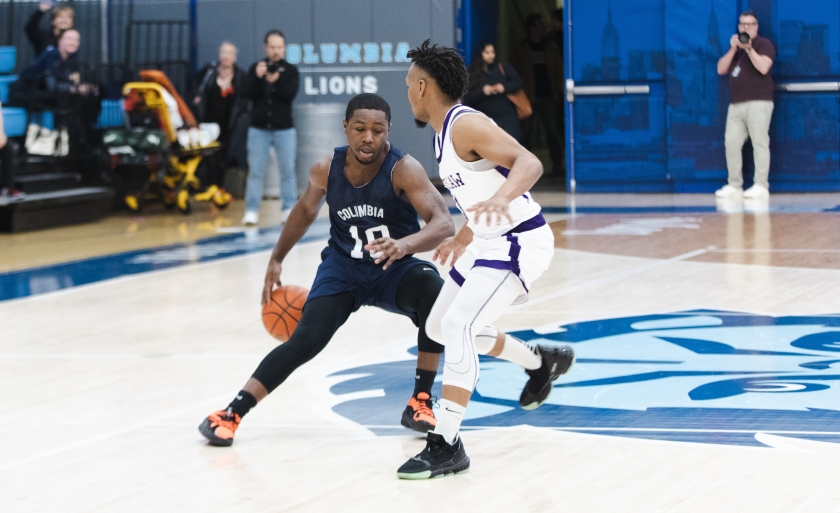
(750, 107)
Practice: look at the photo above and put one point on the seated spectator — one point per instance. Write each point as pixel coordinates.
(219, 99)
(55, 82)
(41, 39)
(490, 83)
(7, 170)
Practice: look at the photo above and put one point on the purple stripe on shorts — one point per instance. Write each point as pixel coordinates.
(503, 171)
(531, 224)
(512, 265)
(456, 276)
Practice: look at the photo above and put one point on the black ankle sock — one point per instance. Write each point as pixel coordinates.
(242, 403)
(423, 381)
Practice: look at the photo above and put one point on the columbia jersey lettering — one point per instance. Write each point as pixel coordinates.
(359, 215)
(472, 182)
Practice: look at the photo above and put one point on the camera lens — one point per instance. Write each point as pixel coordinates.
(744, 38)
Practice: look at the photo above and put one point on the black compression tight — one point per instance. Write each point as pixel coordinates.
(322, 316)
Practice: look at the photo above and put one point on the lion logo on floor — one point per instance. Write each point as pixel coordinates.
(697, 376)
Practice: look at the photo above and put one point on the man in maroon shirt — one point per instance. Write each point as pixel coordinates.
(750, 107)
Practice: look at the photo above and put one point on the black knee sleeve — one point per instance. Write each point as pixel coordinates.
(319, 321)
(416, 294)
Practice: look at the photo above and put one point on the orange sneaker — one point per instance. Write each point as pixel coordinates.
(418, 415)
(219, 427)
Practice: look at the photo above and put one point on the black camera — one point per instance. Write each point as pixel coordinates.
(744, 38)
(271, 66)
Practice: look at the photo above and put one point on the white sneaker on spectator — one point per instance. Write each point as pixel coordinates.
(284, 214)
(727, 191)
(250, 218)
(756, 192)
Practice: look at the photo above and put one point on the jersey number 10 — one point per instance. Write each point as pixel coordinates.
(370, 235)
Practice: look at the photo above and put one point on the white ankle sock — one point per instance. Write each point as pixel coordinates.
(449, 418)
(520, 353)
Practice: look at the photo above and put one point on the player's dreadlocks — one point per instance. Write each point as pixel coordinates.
(443, 64)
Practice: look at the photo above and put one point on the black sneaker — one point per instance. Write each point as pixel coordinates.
(556, 361)
(418, 415)
(438, 459)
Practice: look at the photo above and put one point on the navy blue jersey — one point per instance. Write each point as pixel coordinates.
(359, 215)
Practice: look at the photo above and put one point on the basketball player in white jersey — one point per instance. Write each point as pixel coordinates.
(505, 245)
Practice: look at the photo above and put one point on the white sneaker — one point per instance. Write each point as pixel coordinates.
(727, 191)
(284, 214)
(756, 192)
(250, 218)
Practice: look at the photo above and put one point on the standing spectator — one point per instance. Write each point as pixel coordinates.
(219, 97)
(490, 83)
(7, 170)
(556, 33)
(41, 39)
(748, 65)
(540, 65)
(56, 82)
(272, 85)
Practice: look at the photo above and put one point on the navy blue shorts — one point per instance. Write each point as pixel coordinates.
(366, 281)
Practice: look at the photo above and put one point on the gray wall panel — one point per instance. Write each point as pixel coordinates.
(342, 22)
(402, 21)
(443, 22)
(226, 20)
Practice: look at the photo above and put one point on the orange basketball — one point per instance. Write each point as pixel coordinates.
(282, 314)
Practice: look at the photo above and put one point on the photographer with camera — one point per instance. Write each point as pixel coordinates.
(272, 85)
(748, 63)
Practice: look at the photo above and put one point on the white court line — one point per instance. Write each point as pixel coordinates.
(112, 434)
(116, 356)
(607, 279)
(774, 251)
(283, 425)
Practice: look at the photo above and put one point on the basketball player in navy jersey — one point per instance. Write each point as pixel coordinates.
(504, 246)
(374, 192)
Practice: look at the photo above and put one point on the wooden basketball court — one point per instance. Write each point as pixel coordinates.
(707, 338)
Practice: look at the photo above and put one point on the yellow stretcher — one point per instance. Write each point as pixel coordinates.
(177, 184)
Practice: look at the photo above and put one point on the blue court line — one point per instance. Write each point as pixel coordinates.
(42, 280)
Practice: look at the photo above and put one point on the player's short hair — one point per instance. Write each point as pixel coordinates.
(443, 64)
(748, 13)
(367, 101)
(273, 32)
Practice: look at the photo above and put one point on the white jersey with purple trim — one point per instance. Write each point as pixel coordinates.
(472, 182)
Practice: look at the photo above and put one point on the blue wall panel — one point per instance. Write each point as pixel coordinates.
(674, 47)
(619, 141)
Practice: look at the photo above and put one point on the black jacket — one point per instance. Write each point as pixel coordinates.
(272, 103)
(40, 38)
(496, 106)
(206, 76)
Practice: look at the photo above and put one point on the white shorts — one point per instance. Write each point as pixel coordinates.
(527, 254)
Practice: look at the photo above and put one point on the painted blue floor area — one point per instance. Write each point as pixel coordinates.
(42, 280)
(635, 377)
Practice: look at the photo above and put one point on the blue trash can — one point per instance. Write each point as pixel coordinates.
(5, 81)
(14, 121)
(8, 59)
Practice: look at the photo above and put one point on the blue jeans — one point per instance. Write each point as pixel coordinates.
(260, 142)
